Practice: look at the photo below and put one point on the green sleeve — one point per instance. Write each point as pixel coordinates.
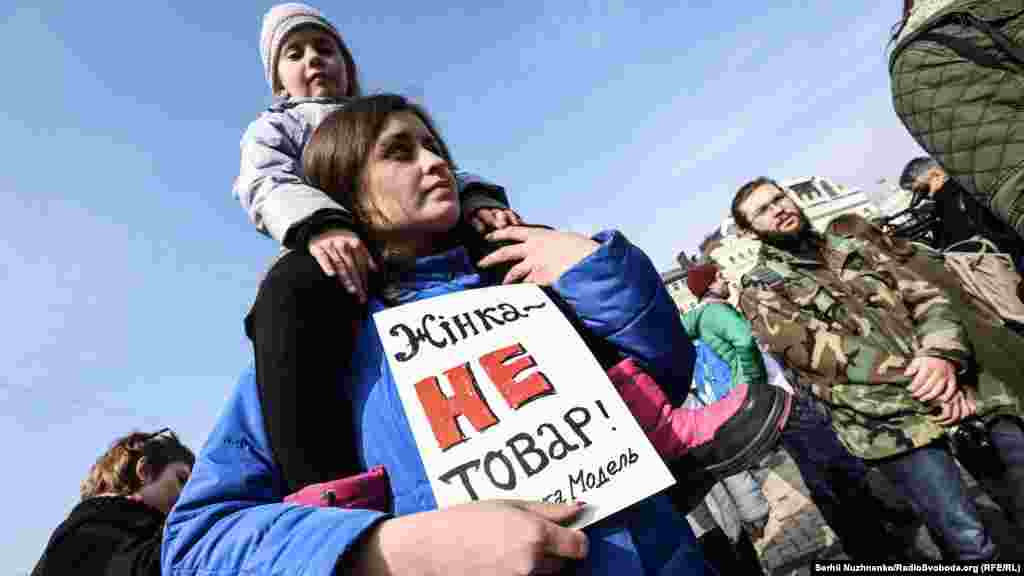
(730, 337)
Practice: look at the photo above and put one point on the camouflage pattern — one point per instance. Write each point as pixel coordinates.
(998, 360)
(849, 322)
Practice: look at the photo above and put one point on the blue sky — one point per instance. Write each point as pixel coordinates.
(127, 267)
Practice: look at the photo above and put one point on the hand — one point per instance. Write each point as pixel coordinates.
(500, 537)
(755, 529)
(962, 405)
(934, 379)
(343, 254)
(542, 255)
(487, 219)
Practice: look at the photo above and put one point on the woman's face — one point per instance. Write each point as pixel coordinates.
(410, 194)
(162, 491)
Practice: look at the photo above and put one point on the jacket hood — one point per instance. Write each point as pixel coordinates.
(116, 510)
(431, 275)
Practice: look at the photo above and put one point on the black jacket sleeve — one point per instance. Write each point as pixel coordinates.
(303, 327)
(299, 235)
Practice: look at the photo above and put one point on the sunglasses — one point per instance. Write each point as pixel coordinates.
(143, 440)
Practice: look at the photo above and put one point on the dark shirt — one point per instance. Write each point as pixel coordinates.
(961, 217)
(105, 536)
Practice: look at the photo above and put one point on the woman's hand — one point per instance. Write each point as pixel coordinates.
(500, 537)
(542, 255)
(487, 219)
(343, 254)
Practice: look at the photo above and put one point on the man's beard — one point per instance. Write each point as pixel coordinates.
(796, 241)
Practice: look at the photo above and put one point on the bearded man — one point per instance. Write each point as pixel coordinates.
(882, 347)
(728, 355)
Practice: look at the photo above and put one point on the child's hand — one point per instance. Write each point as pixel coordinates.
(341, 252)
(488, 219)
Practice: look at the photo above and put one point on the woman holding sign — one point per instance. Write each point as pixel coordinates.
(322, 403)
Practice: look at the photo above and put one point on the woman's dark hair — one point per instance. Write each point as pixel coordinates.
(742, 194)
(115, 470)
(336, 155)
(856, 226)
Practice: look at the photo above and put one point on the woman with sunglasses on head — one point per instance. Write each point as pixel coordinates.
(117, 528)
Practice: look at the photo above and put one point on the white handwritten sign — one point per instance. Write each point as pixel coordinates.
(506, 401)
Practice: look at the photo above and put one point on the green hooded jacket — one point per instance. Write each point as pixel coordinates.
(728, 334)
(957, 72)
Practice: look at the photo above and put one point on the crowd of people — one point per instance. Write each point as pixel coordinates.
(854, 349)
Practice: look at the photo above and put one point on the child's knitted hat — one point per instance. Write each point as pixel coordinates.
(277, 23)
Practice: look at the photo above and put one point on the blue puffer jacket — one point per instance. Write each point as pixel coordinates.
(230, 519)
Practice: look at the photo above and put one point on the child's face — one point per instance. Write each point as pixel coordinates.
(311, 64)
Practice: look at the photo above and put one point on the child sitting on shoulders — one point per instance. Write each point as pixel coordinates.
(311, 73)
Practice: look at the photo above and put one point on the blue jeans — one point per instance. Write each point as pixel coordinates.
(930, 479)
(1008, 437)
(1000, 470)
(837, 481)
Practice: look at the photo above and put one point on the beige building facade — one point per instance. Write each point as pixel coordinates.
(675, 283)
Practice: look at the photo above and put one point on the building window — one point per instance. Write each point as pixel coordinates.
(831, 190)
(806, 191)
